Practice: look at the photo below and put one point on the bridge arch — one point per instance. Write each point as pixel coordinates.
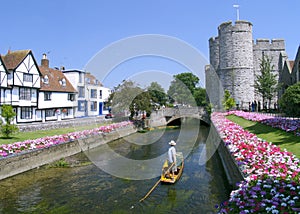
(168, 116)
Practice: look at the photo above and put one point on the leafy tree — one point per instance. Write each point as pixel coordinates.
(228, 101)
(189, 80)
(265, 83)
(200, 96)
(8, 128)
(157, 93)
(290, 101)
(128, 97)
(142, 102)
(182, 88)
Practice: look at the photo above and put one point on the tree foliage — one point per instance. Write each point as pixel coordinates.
(200, 96)
(290, 101)
(184, 90)
(228, 101)
(157, 93)
(8, 128)
(141, 103)
(265, 83)
(128, 97)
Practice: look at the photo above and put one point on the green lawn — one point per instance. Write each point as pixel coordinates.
(22, 136)
(284, 140)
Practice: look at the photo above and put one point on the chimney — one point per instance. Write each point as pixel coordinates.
(45, 61)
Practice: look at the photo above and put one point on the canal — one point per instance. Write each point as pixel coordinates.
(120, 174)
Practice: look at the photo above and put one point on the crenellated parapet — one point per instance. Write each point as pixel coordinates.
(269, 45)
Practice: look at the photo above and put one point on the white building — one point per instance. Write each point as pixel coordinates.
(20, 85)
(37, 94)
(57, 95)
(92, 95)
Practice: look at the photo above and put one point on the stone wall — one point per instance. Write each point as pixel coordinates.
(27, 127)
(232, 171)
(22, 162)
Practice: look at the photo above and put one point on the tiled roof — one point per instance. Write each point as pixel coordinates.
(13, 58)
(92, 79)
(55, 78)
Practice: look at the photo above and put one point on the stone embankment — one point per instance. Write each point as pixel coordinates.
(232, 171)
(22, 162)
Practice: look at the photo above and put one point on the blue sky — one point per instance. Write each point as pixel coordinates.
(72, 32)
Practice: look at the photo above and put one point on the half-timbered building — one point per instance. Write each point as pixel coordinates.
(23, 83)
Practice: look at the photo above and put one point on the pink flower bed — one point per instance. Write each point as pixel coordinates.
(286, 124)
(9, 149)
(262, 164)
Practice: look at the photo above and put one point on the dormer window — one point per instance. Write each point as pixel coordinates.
(46, 79)
(63, 82)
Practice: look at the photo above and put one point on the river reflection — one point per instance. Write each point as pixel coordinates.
(88, 189)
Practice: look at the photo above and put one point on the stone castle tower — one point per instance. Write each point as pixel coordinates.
(235, 59)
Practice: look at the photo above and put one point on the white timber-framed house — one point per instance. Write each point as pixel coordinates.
(23, 83)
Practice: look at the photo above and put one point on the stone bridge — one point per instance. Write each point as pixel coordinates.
(169, 116)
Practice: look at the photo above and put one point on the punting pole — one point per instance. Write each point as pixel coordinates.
(155, 185)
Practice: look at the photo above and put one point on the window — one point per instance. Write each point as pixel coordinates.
(47, 96)
(100, 94)
(26, 113)
(93, 93)
(80, 91)
(87, 80)
(9, 76)
(50, 112)
(25, 94)
(63, 82)
(81, 105)
(71, 97)
(46, 79)
(27, 77)
(93, 106)
(80, 77)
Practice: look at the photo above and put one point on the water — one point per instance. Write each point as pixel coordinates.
(88, 189)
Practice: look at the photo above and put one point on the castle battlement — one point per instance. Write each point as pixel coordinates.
(239, 25)
(214, 39)
(267, 44)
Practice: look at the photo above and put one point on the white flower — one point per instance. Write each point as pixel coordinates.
(283, 204)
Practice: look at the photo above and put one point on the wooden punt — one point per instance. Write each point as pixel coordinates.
(166, 175)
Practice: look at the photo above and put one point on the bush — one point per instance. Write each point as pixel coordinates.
(7, 128)
(290, 101)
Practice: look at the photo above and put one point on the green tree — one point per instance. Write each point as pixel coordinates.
(265, 83)
(128, 97)
(182, 88)
(228, 101)
(200, 96)
(157, 93)
(189, 80)
(8, 128)
(141, 103)
(289, 103)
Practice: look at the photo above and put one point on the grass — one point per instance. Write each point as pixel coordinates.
(22, 136)
(283, 139)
